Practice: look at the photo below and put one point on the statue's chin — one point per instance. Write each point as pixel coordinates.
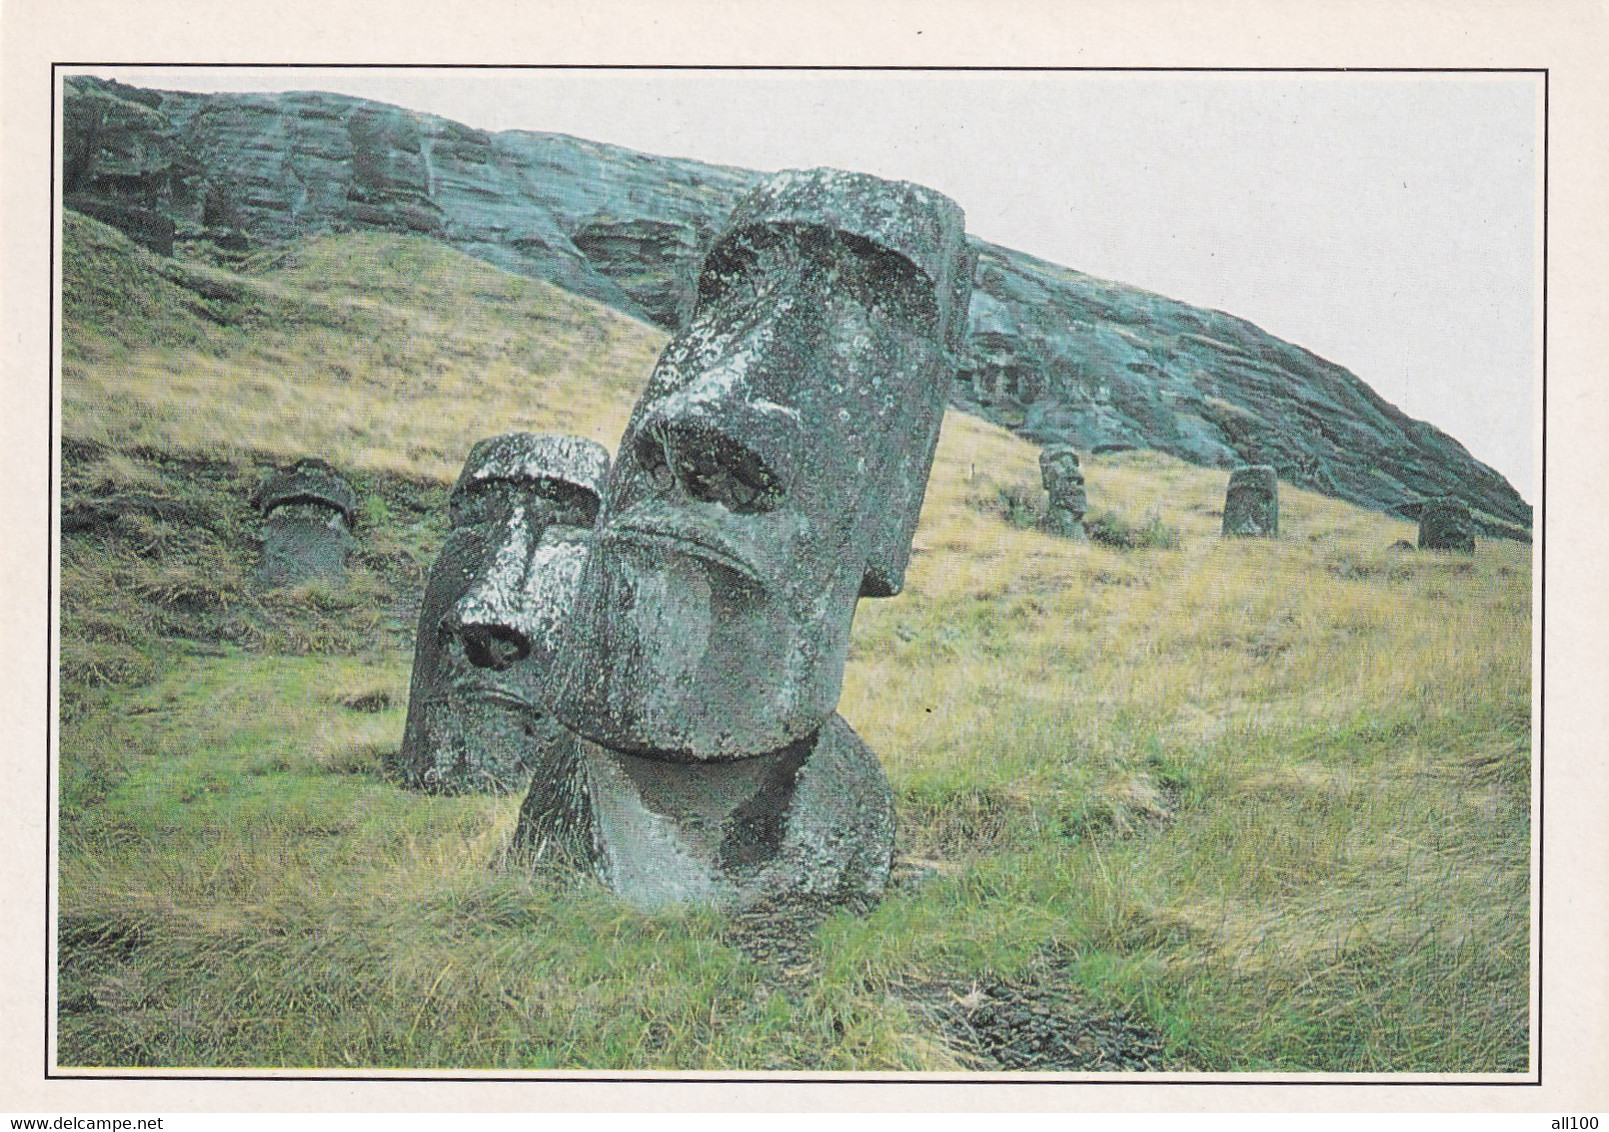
(483, 743)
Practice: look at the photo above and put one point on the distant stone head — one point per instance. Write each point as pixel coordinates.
(1446, 524)
(1064, 484)
(773, 471)
(489, 622)
(1251, 503)
(308, 510)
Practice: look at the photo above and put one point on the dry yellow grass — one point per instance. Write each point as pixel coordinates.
(380, 353)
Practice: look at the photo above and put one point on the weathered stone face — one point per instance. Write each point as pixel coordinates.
(813, 820)
(1251, 505)
(772, 472)
(489, 622)
(1446, 524)
(308, 511)
(1064, 483)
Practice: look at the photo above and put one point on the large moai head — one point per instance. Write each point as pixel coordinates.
(489, 623)
(1446, 524)
(1251, 505)
(308, 511)
(772, 472)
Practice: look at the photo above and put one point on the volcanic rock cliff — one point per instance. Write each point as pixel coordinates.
(1055, 354)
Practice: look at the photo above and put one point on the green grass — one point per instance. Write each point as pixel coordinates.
(1270, 798)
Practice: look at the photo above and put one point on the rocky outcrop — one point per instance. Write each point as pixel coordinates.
(620, 227)
(1062, 356)
(1054, 354)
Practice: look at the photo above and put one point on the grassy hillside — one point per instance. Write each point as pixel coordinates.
(1250, 806)
(380, 353)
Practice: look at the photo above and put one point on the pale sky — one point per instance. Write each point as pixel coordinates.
(1389, 223)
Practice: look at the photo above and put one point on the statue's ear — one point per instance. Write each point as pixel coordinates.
(957, 311)
(900, 506)
(906, 483)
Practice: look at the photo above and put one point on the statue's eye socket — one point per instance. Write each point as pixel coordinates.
(467, 509)
(742, 269)
(568, 503)
(709, 467)
(889, 284)
(490, 501)
(731, 278)
(480, 503)
(738, 274)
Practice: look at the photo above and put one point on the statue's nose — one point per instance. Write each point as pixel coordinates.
(490, 622)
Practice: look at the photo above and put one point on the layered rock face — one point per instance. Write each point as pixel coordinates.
(623, 228)
(1056, 355)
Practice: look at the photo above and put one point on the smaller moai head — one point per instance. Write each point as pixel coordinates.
(1063, 479)
(308, 510)
(772, 472)
(1446, 524)
(521, 514)
(1251, 505)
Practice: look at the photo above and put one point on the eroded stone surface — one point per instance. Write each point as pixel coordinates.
(772, 472)
(308, 510)
(813, 820)
(489, 623)
(1064, 483)
(1445, 524)
(1251, 503)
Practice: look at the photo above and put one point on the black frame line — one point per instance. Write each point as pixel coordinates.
(1539, 680)
(655, 1077)
(52, 621)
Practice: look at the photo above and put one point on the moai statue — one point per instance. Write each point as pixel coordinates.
(1445, 524)
(770, 477)
(1064, 483)
(308, 511)
(505, 579)
(1251, 506)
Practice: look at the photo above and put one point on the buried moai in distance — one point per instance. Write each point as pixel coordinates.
(1251, 503)
(1446, 524)
(489, 621)
(308, 510)
(771, 476)
(1064, 484)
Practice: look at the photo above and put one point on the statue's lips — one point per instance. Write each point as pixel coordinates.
(687, 539)
(464, 689)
